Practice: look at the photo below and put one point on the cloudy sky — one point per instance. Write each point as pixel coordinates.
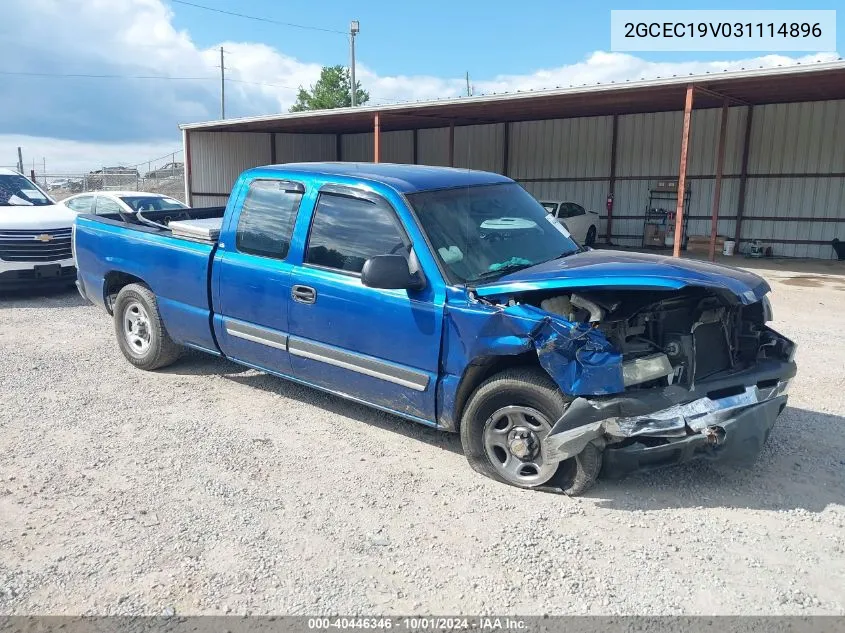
(78, 122)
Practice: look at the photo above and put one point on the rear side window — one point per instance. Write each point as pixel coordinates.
(267, 217)
(107, 205)
(346, 232)
(82, 204)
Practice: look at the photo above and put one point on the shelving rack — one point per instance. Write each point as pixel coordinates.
(660, 213)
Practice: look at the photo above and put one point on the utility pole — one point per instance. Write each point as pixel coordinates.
(354, 27)
(222, 86)
(20, 161)
(469, 87)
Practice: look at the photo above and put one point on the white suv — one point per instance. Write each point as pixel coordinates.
(35, 235)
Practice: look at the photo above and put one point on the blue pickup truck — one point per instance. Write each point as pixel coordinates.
(451, 298)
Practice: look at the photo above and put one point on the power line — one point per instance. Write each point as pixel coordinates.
(258, 19)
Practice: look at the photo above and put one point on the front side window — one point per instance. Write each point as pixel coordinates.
(346, 232)
(267, 217)
(483, 232)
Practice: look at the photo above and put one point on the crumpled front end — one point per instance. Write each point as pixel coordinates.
(727, 418)
(654, 376)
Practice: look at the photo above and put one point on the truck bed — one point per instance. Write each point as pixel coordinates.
(162, 217)
(110, 248)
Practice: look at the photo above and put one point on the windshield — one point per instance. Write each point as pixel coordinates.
(15, 190)
(480, 233)
(551, 207)
(152, 203)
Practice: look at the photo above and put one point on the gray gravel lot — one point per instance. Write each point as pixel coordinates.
(208, 488)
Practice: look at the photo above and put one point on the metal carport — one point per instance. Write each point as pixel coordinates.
(762, 150)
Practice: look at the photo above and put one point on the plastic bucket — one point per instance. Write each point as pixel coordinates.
(729, 247)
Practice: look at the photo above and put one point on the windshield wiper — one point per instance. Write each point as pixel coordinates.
(580, 249)
(500, 272)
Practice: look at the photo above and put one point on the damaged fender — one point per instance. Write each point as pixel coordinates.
(578, 358)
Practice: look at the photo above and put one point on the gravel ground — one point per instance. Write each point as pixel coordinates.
(207, 488)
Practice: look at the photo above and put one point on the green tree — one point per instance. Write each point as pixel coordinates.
(330, 91)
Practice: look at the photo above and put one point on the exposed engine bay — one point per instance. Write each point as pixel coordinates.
(672, 338)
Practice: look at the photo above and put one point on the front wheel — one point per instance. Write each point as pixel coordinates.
(504, 424)
(591, 237)
(139, 329)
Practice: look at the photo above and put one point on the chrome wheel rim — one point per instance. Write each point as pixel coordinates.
(512, 438)
(136, 328)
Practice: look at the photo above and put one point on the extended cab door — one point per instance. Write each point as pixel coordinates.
(379, 346)
(252, 275)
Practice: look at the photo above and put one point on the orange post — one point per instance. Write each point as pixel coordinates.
(717, 190)
(376, 138)
(682, 175)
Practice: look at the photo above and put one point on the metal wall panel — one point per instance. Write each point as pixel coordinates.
(480, 147)
(798, 138)
(797, 199)
(433, 146)
(218, 158)
(649, 144)
(701, 207)
(295, 148)
(397, 147)
(704, 141)
(209, 201)
(357, 147)
(561, 148)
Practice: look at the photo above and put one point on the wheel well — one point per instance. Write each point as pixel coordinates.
(479, 371)
(113, 283)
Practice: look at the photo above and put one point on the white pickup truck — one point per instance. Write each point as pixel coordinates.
(35, 236)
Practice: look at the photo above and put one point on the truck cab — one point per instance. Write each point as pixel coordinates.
(451, 298)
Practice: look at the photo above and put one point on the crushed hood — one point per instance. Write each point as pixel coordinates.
(625, 270)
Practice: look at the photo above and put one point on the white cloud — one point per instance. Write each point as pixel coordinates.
(79, 124)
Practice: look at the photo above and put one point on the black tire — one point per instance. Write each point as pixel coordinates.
(530, 387)
(162, 351)
(590, 240)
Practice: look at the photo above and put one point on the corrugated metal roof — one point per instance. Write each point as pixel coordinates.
(815, 81)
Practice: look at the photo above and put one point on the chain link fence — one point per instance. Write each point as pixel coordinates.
(165, 175)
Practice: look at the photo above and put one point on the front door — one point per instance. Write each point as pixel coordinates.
(379, 346)
(253, 276)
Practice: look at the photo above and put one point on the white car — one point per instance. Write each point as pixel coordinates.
(122, 202)
(35, 235)
(582, 225)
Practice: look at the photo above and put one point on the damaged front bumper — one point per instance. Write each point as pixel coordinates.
(728, 419)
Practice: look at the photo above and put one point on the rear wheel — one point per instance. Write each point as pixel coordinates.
(590, 240)
(504, 424)
(139, 329)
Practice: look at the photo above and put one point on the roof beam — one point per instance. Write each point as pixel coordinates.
(722, 96)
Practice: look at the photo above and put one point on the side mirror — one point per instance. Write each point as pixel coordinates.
(390, 272)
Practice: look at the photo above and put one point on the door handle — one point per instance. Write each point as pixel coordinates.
(303, 294)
